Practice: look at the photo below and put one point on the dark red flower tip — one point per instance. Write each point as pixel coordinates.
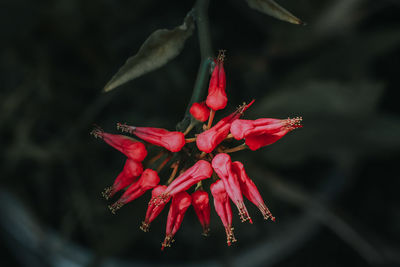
(223, 209)
(250, 190)
(222, 165)
(199, 171)
(131, 147)
(173, 141)
(200, 111)
(216, 98)
(153, 210)
(263, 132)
(148, 180)
(180, 203)
(201, 205)
(132, 170)
(208, 140)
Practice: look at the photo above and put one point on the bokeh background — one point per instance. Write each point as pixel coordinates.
(333, 185)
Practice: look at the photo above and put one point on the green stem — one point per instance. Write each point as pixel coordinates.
(203, 29)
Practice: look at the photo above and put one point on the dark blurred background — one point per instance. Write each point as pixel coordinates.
(333, 185)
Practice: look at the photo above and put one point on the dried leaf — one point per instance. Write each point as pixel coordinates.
(271, 8)
(162, 46)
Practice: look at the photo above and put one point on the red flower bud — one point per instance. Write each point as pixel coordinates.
(223, 208)
(180, 203)
(263, 132)
(216, 98)
(173, 141)
(148, 180)
(132, 169)
(222, 166)
(132, 148)
(208, 140)
(250, 190)
(154, 210)
(199, 171)
(201, 205)
(200, 111)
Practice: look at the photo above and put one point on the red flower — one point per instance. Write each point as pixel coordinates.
(153, 210)
(216, 98)
(263, 132)
(132, 169)
(132, 148)
(234, 182)
(148, 180)
(173, 141)
(222, 166)
(223, 208)
(180, 203)
(208, 140)
(199, 171)
(201, 205)
(200, 111)
(250, 190)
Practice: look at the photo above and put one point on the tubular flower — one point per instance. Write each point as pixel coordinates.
(263, 132)
(223, 167)
(209, 154)
(199, 171)
(180, 203)
(208, 140)
(201, 205)
(173, 141)
(250, 190)
(200, 111)
(148, 180)
(153, 210)
(132, 148)
(132, 170)
(223, 208)
(216, 98)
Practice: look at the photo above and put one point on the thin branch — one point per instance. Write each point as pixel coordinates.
(203, 29)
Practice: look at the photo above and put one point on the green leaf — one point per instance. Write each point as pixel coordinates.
(162, 46)
(271, 8)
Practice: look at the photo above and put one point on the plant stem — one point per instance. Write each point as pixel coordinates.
(203, 29)
(235, 149)
(201, 13)
(210, 119)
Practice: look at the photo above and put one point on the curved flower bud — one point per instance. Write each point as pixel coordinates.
(131, 147)
(216, 98)
(250, 190)
(173, 141)
(199, 171)
(132, 170)
(153, 210)
(223, 208)
(180, 203)
(208, 140)
(148, 180)
(200, 111)
(222, 166)
(263, 132)
(201, 205)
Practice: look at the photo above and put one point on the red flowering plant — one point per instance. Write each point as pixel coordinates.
(203, 156)
(193, 160)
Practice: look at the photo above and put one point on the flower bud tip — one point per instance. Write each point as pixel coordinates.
(116, 206)
(108, 192)
(97, 132)
(125, 128)
(291, 124)
(145, 226)
(167, 242)
(206, 231)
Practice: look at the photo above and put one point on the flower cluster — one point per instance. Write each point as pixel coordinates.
(194, 160)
